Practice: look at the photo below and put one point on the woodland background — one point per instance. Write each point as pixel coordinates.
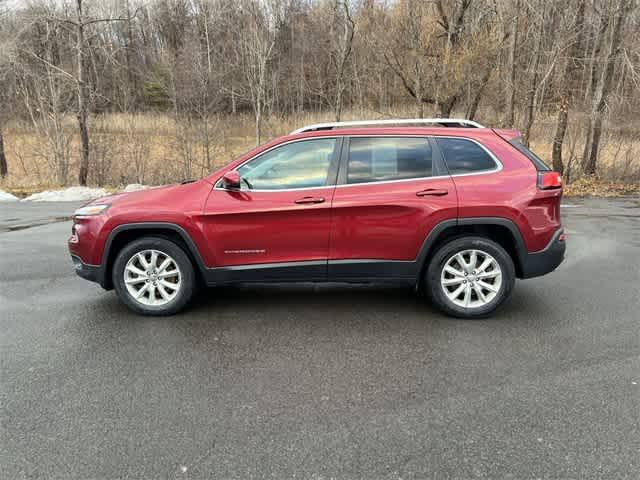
(109, 92)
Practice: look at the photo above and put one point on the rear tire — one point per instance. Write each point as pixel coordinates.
(154, 276)
(469, 277)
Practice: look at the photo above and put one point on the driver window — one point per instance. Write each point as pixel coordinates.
(303, 164)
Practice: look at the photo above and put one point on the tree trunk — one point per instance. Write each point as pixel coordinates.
(511, 88)
(418, 96)
(3, 158)
(82, 99)
(445, 107)
(533, 87)
(131, 88)
(598, 44)
(571, 68)
(258, 117)
(344, 51)
(558, 139)
(473, 106)
(338, 106)
(590, 155)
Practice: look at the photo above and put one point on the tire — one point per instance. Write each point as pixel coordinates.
(488, 288)
(167, 292)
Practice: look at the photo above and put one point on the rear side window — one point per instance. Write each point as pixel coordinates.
(536, 160)
(377, 159)
(465, 156)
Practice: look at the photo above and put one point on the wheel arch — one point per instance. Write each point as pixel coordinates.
(126, 233)
(501, 230)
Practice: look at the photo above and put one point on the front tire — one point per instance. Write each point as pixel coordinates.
(154, 276)
(469, 277)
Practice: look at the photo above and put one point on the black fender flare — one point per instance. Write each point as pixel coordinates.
(184, 235)
(429, 241)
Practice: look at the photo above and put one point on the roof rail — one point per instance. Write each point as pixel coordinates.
(452, 122)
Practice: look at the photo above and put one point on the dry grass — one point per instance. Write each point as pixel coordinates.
(154, 149)
(593, 187)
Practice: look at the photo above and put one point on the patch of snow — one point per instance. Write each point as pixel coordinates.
(71, 194)
(7, 197)
(134, 187)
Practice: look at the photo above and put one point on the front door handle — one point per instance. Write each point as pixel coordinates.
(309, 200)
(434, 192)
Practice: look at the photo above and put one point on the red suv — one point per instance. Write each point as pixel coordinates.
(453, 209)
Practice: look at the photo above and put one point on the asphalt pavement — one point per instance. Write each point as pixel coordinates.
(320, 382)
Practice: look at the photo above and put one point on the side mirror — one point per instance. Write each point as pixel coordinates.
(231, 180)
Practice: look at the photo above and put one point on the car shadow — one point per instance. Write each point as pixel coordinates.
(333, 304)
(301, 297)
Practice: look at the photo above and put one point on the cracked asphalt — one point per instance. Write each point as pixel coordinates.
(319, 382)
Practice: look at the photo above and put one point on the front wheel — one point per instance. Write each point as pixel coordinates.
(153, 276)
(469, 277)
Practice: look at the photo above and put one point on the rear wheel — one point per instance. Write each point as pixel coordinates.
(154, 276)
(469, 277)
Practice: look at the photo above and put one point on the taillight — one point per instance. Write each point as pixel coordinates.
(549, 180)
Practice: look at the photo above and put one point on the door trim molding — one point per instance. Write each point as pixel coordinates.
(304, 271)
(346, 270)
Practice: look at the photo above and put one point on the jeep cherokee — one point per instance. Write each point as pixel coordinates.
(454, 209)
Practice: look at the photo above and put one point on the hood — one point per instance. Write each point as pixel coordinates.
(152, 196)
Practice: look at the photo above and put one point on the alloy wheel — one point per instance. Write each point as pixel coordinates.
(152, 277)
(471, 278)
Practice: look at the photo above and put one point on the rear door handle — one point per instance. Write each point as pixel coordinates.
(304, 200)
(434, 192)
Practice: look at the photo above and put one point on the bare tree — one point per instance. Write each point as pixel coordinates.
(479, 90)
(341, 50)
(79, 25)
(6, 92)
(453, 24)
(255, 52)
(82, 95)
(535, 76)
(4, 108)
(513, 45)
(86, 85)
(45, 89)
(571, 67)
(433, 71)
(601, 93)
(4, 170)
(405, 51)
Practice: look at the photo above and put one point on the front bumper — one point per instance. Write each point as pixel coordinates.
(547, 260)
(93, 273)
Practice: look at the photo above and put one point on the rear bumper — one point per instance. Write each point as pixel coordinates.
(546, 260)
(93, 273)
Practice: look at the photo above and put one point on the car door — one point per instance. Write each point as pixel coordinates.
(276, 226)
(391, 192)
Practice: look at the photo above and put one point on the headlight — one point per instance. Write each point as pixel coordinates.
(90, 210)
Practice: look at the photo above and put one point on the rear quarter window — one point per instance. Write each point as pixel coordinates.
(536, 160)
(465, 156)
